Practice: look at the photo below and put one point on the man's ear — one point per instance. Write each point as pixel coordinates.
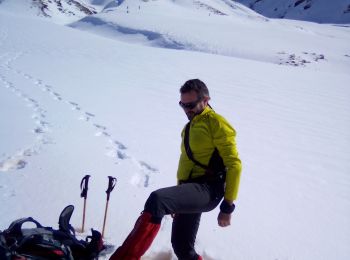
(206, 100)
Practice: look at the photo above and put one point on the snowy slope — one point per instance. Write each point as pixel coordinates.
(74, 103)
(320, 11)
(217, 27)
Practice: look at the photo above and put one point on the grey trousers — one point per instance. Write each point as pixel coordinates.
(187, 201)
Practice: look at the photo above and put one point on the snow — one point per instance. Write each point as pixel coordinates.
(130, 23)
(73, 102)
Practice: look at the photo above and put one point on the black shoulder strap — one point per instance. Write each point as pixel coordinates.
(16, 226)
(188, 148)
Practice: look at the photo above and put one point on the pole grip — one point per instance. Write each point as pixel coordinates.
(84, 186)
(111, 184)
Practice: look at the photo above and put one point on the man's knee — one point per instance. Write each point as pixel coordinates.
(154, 206)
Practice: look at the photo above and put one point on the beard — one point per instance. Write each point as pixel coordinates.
(190, 115)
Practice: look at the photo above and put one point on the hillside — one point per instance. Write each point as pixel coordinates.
(215, 27)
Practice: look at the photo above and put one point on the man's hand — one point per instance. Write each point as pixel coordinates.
(224, 219)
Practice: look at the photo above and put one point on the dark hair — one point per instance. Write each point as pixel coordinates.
(195, 85)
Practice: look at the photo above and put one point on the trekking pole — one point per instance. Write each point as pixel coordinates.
(111, 183)
(84, 185)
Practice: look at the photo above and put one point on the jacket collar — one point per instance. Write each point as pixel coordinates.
(206, 110)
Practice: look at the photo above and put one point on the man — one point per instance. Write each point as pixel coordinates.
(209, 169)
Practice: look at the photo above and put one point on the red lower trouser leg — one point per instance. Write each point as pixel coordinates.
(139, 239)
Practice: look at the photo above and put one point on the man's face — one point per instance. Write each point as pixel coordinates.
(192, 105)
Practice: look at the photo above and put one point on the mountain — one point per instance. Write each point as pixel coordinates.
(59, 11)
(215, 27)
(320, 11)
(67, 11)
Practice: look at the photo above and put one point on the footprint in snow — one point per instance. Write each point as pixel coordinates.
(102, 130)
(28, 152)
(56, 96)
(143, 177)
(32, 105)
(139, 180)
(12, 163)
(89, 114)
(39, 110)
(74, 105)
(147, 170)
(20, 94)
(47, 88)
(102, 133)
(9, 194)
(115, 153)
(119, 144)
(86, 116)
(43, 124)
(30, 100)
(38, 116)
(13, 89)
(38, 82)
(38, 130)
(27, 76)
(101, 127)
(148, 167)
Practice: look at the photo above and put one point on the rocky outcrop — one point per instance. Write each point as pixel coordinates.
(66, 7)
(321, 11)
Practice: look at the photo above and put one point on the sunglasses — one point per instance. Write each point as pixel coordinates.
(190, 105)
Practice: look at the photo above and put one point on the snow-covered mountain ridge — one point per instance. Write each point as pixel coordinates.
(66, 11)
(321, 11)
(59, 11)
(233, 31)
(47, 7)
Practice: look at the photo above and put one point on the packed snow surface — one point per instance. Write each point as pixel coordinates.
(103, 101)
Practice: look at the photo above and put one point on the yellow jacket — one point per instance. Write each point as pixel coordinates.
(209, 131)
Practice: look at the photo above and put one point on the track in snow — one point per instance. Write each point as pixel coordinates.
(115, 149)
